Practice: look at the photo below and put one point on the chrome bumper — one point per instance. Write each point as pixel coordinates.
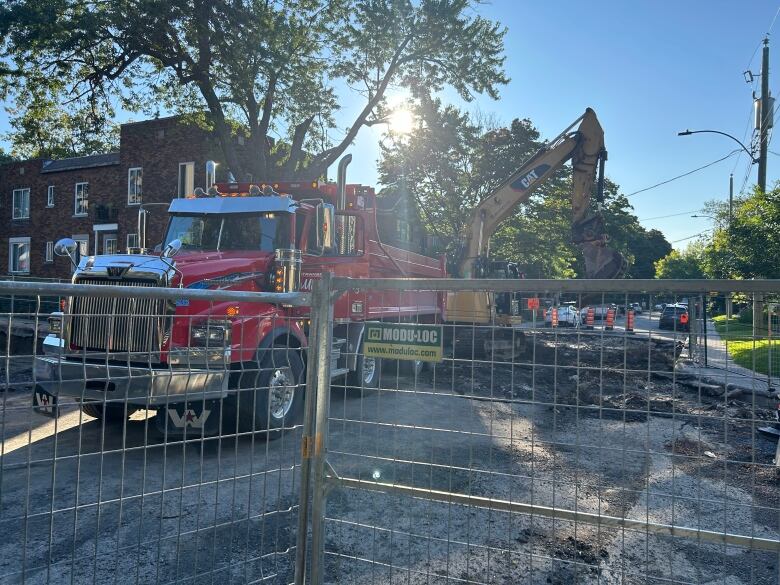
(62, 375)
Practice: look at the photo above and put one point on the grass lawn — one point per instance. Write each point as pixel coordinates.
(746, 352)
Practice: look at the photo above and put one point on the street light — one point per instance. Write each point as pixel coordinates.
(745, 148)
(753, 160)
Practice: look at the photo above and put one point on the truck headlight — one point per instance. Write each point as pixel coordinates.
(209, 335)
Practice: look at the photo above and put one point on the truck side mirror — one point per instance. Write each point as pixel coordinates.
(67, 247)
(172, 249)
(326, 237)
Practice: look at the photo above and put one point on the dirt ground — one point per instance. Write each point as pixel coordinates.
(596, 424)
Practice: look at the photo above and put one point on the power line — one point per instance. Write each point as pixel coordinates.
(771, 26)
(732, 153)
(671, 215)
(690, 237)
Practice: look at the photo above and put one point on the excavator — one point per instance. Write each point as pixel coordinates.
(584, 146)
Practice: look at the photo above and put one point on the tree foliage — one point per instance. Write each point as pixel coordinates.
(273, 67)
(41, 127)
(682, 264)
(750, 247)
(453, 160)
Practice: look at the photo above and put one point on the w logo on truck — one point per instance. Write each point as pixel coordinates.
(189, 418)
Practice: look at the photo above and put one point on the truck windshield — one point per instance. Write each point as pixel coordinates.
(265, 231)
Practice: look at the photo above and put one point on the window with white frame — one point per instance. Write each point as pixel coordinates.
(19, 255)
(109, 244)
(81, 199)
(82, 240)
(49, 251)
(186, 178)
(21, 204)
(134, 177)
(50, 196)
(132, 241)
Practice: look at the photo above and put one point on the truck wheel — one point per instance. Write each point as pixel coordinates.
(111, 413)
(366, 374)
(271, 397)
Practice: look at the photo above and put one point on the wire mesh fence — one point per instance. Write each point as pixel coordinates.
(578, 432)
(609, 434)
(147, 437)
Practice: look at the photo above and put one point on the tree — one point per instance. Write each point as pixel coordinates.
(43, 128)
(682, 264)
(271, 67)
(454, 160)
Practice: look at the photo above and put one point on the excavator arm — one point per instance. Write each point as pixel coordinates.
(585, 147)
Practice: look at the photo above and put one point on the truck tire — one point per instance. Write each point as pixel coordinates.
(111, 413)
(270, 397)
(366, 373)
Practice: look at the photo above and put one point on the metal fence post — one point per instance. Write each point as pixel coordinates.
(322, 306)
(319, 322)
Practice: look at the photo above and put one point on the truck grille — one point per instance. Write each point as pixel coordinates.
(117, 323)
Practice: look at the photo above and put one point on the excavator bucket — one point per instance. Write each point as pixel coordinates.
(603, 262)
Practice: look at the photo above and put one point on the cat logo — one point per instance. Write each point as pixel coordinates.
(189, 418)
(527, 180)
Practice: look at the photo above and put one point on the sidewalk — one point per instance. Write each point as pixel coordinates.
(721, 369)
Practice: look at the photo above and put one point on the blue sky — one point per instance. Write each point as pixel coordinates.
(649, 69)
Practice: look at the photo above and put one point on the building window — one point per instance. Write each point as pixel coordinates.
(19, 255)
(186, 178)
(109, 244)
(83, 243)
(132, 241)
(402, 230)
(49, 251)
(81, 199)
(134, 177)
(50, 196)
(21, 201)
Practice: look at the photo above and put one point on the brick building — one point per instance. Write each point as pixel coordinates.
(95, 199)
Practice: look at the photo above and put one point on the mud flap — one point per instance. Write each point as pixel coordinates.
(197, 418)
(45, 403)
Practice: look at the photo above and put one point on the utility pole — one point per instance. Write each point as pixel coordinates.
(731, 199)
(765, 119)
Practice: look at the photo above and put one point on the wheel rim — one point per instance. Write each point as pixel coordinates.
(369, 369)
(281, 393)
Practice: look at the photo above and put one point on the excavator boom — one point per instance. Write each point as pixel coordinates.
(585, 147)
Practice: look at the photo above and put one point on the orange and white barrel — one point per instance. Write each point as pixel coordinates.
(610, 320)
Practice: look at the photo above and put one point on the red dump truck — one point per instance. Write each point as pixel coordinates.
(189, 359)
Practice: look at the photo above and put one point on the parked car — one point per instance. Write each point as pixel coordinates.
(636, 307)
(568, 316)
(599, 311)
(674, 317)
(659, 307)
